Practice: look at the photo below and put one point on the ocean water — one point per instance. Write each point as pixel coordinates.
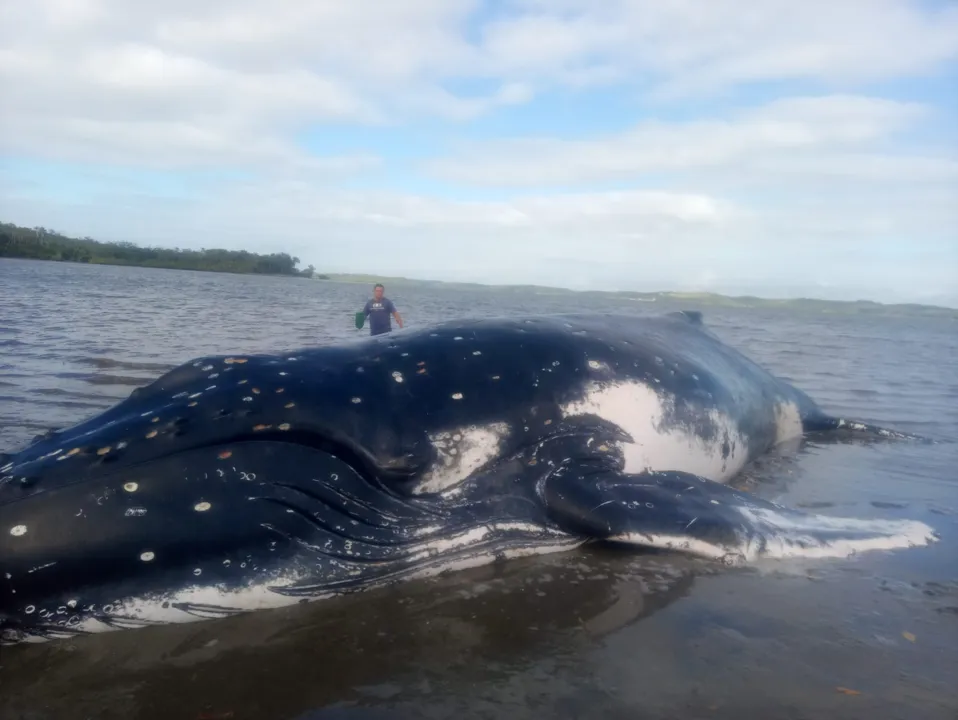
(586, 634)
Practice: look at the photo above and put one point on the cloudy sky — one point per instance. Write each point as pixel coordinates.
(771, 147)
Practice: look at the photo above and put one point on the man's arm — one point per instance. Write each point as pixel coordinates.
(396, 314)
(366, 307)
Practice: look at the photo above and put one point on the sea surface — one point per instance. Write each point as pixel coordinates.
(588, 634)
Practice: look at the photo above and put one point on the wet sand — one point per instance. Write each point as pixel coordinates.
(594, 633)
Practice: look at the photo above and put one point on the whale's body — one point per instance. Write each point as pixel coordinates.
(236, 483)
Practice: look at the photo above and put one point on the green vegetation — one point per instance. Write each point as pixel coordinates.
(44, 244)
(672, 300)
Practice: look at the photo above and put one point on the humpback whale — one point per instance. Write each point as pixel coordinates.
(244, 482)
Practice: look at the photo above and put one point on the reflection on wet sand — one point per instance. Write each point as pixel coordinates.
(470, 627)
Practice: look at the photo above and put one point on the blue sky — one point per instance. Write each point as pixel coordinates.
(777, 149)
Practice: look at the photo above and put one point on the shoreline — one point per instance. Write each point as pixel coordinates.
(105, 263)
(671, 298)
(44, 244)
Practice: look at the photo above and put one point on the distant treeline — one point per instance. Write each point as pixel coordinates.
(44, 244)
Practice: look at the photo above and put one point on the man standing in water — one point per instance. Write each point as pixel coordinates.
(380, 311)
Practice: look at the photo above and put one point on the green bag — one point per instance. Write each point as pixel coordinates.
(360, 320)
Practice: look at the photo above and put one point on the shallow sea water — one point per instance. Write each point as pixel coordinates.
(596, 633)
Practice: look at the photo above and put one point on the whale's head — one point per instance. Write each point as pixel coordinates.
(86, 546)
(168, 508)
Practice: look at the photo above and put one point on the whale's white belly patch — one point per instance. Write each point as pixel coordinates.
(461, 451)
(788, 421)
(662, 441)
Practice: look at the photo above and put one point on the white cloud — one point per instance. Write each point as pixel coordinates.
(825, 247)
(797, 187)
(234, 69)
(683, 46)
(784, 130)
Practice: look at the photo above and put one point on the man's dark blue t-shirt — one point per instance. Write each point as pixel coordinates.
(380, 313)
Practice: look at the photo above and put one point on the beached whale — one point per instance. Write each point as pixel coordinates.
(235, 483)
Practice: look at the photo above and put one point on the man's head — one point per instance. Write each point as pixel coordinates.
(378, 291)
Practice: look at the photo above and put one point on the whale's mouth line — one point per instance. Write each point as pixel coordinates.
(496, 547)
(342, 449)
(374, 574)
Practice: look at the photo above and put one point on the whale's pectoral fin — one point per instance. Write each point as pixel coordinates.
(820, 423)
(687, 513)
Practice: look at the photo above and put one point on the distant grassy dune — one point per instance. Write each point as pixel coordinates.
(671, 299)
